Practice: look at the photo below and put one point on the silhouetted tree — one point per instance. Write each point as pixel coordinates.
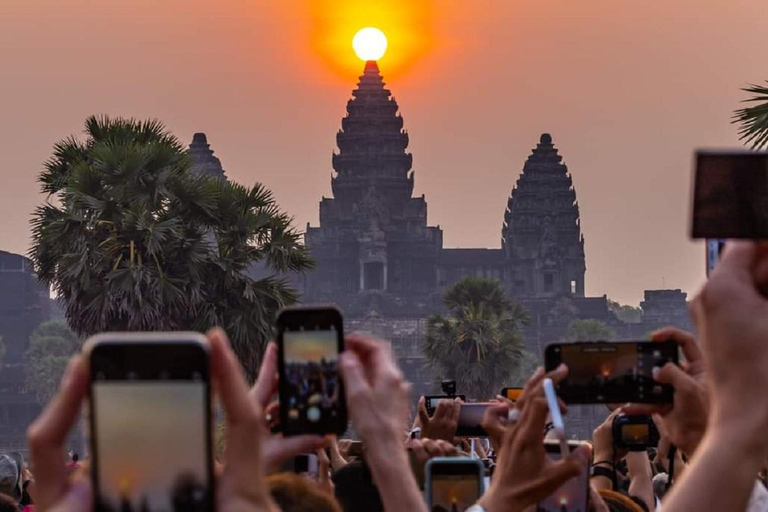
(478, 344)
(51, 346)
(132, 239)
(590, 329)
(753, 120)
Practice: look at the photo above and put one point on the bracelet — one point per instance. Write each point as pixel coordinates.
(603, 462)
(601, 471)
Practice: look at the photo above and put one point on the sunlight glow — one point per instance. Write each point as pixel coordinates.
(369, 43)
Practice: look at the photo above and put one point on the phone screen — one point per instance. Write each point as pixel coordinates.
(633, 434)
(150, 426)
(730, 196)
(455, 487)
(573, 495)
(513, 394)
(431, 402)
(615, 372)
(311, 392)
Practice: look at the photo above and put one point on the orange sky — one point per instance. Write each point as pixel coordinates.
(627, 89)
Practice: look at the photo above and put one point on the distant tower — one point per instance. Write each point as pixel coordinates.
(373, 235)
(541, 236)
(202, 156)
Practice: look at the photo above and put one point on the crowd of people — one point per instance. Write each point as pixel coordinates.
(713, 438)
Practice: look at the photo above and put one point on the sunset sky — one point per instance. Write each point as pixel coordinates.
(627, 89)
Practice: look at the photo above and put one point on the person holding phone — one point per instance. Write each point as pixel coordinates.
(241, 484)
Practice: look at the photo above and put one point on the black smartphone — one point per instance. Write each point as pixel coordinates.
(150, 422)
(612, 372)
(311, 391)
(730, 195)
(453, 483)
(513, 394)
(635, 433)
(470, 417)
(430, 402)
(573, 495)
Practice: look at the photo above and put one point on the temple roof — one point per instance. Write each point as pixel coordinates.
(202, 157)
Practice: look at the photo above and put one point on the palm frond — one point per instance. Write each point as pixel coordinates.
(753, 120)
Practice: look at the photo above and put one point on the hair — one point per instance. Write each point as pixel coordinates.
(295, 493)
(8, 504)
(618, 502)
(355, 489)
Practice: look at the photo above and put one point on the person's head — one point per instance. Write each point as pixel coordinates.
(295, 493)
(618, 502)
(355, 489)
(660, 485)
(11, 465)
(8, 504)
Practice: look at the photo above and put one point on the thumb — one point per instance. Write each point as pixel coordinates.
(673, 375)
(352, 373)
(296, 445)
(423, 416)
(78, 497)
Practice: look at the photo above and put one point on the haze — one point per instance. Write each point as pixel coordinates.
(627, 89)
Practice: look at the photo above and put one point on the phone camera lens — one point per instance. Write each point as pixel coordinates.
(196, 376)
(132, 376)
(164, 375)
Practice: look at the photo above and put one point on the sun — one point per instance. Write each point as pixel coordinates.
(369, 43)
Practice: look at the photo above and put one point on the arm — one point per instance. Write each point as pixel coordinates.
(726, 462)
(641, 478)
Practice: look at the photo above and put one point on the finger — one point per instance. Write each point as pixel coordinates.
(245, 426)
(47, 435)
(290, 447)
(455, 410)
(266, 383)
(686, 340)
(422, 410)
(673, 375)
(644, 409)
(557, 473)
(416, 447)
(532, 421)
(355, 385)
(558, 374)
(375, 356)
(446, 448)
(431, 448)
(443, 410)
(492, 416)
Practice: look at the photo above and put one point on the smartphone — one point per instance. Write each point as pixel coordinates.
(513, 394)
(635, 433)
(430, 402)
(311, 391)
(150, 421)
(453, 483)
(355, 449)
(730, 195)
(470, 417)
(612, 372)
(573, 495)
(557, 418)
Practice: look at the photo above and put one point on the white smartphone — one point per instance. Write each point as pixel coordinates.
(557, 418)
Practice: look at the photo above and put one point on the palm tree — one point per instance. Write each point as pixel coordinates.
(753, 120)
(131, 239)
(478, 344)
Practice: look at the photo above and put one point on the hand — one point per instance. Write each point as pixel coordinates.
(524, 473)
(377, 401)
(685, 421)
(602, 440)
(324, 472)
(421, 450)
(54, 492)
(443, 424)
(377, 394)
(731, 315)
(337, 460)
(276, 449)
(495, 423)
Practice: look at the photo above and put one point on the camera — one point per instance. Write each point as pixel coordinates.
(449, 387)
(635, 433)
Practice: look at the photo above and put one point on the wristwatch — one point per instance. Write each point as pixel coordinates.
(476, 508)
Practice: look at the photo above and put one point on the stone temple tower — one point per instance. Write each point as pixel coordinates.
(541, 236)
(203, 161)
(373, 248)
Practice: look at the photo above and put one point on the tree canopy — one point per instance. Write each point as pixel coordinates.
(753, 119)
(131, 238)
(590, 329)
(479, 343)
(51, 346)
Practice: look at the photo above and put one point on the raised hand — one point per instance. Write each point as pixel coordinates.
(442, 424)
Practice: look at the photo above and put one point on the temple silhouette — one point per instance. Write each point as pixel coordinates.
(381, 262)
